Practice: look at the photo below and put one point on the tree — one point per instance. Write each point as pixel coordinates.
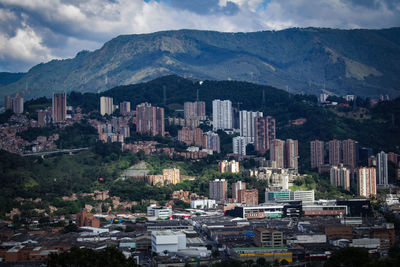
(261, 261)
(215, 254)
(349, 257)
(165, 252)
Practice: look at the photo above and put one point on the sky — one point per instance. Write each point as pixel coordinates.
(35, 31)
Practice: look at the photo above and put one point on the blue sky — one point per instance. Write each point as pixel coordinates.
(35, 31)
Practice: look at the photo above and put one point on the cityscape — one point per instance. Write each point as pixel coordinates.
(215, 133)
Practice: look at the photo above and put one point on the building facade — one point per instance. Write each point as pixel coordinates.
(291, 154)
(239, 144)
(264, 133)
(229, 166)
(239, 185)
(218, 189)
(277, 149)
(317, 149)
(340, 177)
(211, 142)
(106, 105)
(59, 107)
(246, 124)
(382, 169)
(267, 237)
(335, 152)
(248, 196)
(222, 114)
(125, 107)
(350, 153)
(191, 136)
(195, 110)
(150, 120)
(366, 181)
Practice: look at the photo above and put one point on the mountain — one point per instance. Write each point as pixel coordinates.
(8, 78)
(310, 60)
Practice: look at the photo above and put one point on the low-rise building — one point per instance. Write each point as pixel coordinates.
(170, 241)
(268, 237)
(159, 212)
(203, 204)
(269, 254)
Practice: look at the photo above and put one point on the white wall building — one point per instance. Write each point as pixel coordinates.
(246, 124)
(106, 105)
(167, 240)
(305, 196)
(160, 212)
(203, 204)
(239, 144)
(222, 114)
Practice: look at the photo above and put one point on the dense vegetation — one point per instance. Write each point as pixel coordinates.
(8, 77)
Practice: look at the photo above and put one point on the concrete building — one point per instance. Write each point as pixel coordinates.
(167, 240)
(277, 150)
(267, 237)
(335, 152)
(172, 175)
(168, 176)
(222, 114)
(191, 136)
(229, 166)
(44, 117)
(195, 110)
(382, 169)
(317, 149)
(18, 104)
(291, 154)
(84, 218)
(307, 196)
(246, 124)
(270, 255)
(125, 107)
(159, 212)
(211, 142)
(106, 105)
(340, 177)
(239, 144)
(59, 107)
(366, 181)
(350, 150)
(248, 197)
(203, 204)
(264, 133)
(239, 185)
(218, 189)
(150, 120)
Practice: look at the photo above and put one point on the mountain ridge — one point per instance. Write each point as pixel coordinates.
(310, 60)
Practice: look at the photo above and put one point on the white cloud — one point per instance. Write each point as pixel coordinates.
(35, 31)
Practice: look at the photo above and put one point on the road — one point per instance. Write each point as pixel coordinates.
(41, 154)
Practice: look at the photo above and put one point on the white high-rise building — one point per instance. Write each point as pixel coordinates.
(239, 144)
(222, 114)
(246, 123)
(106, 105)
(382, 168)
